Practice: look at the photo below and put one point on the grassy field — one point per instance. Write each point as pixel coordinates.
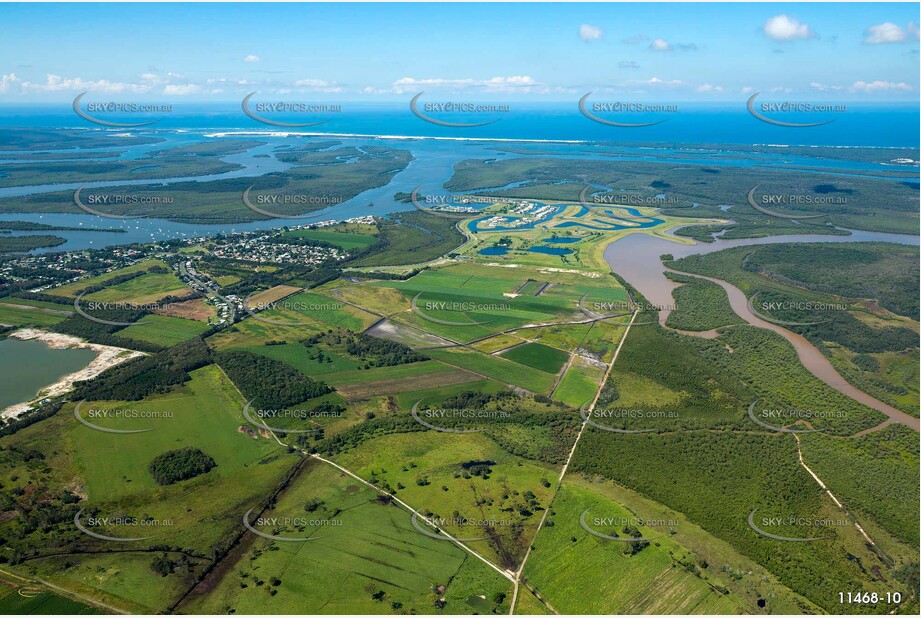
(580, 382)
(496, 368)
(298, 356)
(466, 303)
(717, 479)
(312, 308)
(147, 288)
(436, 459)
(123, 580)
(251, 332)
(683, 570)
(71, 289)
(361, 548)
(271, 295)
(538, 356)
(29, 600)
(204, 412)
(499, 342)
(109, 474)
(19, 312)
(163, 330)
(341, 238)
(653, 581)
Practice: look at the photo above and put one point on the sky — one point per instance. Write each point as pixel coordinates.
(477, 52)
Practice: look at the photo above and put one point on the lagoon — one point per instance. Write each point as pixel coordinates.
(26, 367)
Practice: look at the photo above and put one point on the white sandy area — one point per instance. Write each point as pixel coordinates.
(106, 357)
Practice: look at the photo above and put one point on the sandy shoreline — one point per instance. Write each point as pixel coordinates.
(106, 357)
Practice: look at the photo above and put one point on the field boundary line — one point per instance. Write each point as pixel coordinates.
(802, 462)
(572, 452)
(506, 574)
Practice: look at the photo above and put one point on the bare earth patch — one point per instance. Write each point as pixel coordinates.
(272, 295)
(195, 309)
(354, 392)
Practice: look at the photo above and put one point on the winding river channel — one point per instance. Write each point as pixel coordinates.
(636, 258)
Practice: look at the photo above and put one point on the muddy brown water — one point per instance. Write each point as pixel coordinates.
(636, 258)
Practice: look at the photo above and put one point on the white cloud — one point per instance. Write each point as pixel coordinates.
(181, 89)
(7, 81)
(664, 46)
(588, 32)
(889, 32)
(636, 39)
(709, 88)
(251, 58)
(515, 80)
(628, 64)
(913, 29)
(56, 83)
(318, 85)
(659, 83)
(783, 28)
(884, 33)
(879, 86)
(513, 83)
(747, 90)
(412, 81)
(823, 87)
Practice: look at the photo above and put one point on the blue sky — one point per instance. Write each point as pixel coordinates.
(521, 52)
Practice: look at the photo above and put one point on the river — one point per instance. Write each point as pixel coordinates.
(636, 258)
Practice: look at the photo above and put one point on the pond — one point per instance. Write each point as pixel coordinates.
(493, 251)
(26, 367)
(550, 250)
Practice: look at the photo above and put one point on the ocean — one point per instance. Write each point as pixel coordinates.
(861, 124)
